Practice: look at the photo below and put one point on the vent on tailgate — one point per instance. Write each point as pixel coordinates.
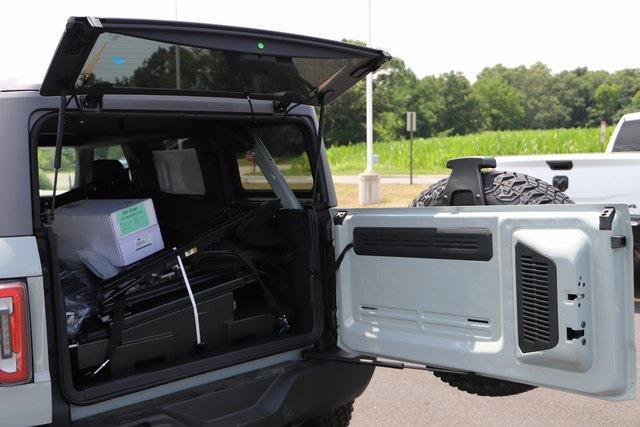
(474, 244)
(536, 289)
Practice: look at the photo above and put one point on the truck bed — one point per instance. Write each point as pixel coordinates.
(592, 178)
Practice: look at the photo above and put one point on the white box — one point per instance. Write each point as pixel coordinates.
(121, 230)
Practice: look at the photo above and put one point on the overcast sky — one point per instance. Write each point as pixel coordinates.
(431, 36)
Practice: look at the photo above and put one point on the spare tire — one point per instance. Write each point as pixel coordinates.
(500, 188)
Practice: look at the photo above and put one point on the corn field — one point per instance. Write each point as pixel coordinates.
(431, 154)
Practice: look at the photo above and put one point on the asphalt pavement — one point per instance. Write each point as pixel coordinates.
(417, 398)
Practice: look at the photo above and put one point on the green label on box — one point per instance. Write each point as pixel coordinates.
(132, 219)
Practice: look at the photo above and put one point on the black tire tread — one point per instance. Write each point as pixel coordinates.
(482, 386)
(339, 417)
(502, 188)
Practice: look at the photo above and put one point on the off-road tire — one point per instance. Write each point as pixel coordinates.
(500, 188)
(482, 386)
(339, 417)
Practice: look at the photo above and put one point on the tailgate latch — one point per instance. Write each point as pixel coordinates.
(606, 218)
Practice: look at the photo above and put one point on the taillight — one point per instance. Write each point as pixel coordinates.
(15, 363)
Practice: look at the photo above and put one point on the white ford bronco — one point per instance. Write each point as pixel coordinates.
(171, 251)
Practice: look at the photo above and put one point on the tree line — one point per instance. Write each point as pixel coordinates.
(501, 98)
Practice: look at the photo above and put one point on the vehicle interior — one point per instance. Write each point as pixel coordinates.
(228, 246)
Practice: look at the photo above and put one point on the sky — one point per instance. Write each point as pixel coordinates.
(432, 37)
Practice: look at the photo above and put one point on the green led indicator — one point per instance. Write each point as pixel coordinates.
(260, 45)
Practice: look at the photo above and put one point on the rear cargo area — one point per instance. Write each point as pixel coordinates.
(169, 255)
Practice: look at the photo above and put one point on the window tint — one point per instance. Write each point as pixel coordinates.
(113, 152)
(67, 178)
(286, 145)
(629, 137)
(131, 62)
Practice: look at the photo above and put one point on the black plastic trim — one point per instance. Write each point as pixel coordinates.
(560, 165)
(469, 244)
(618, 242)
(606, 218)
(537, 300)
(561, 182)
(285, 394)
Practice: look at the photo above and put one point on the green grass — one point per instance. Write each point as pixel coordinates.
(431, 154)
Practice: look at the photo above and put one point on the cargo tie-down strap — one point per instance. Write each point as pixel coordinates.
(115, 331)
(283, 326)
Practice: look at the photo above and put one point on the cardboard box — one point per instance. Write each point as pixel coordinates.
(123, 231)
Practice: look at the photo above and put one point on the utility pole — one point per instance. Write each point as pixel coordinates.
(369, 188)
(411, 128)
(369, 101)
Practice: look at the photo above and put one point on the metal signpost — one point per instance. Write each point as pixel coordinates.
(411, 128)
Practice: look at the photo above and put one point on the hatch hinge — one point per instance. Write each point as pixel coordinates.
(290, 100)
(338, 355)
(92, 101)
(280, 107)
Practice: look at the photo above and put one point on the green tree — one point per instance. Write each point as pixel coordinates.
(393, 91)
(608, 100)
(459, 113)
(632, 107)
(500, 105)
(574, 95)
(426, 101)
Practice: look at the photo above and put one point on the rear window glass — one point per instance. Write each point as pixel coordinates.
(629, 137)
(66, 176)
(131, 62)
(286, 144)
(112, 152)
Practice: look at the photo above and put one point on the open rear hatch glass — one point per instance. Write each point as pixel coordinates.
(162, 57)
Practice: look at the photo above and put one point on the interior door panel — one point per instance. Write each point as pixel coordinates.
(533, 294)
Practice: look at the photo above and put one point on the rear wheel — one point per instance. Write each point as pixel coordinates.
(500, 188)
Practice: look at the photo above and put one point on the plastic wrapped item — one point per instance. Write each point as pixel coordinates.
(98, 264)
(79, 298)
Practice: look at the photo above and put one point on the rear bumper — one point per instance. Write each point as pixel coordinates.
(279, 395)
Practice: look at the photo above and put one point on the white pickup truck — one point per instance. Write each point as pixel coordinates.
(609, 177)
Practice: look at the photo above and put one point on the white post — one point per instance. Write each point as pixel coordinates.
(369, 103)
(369, 188)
